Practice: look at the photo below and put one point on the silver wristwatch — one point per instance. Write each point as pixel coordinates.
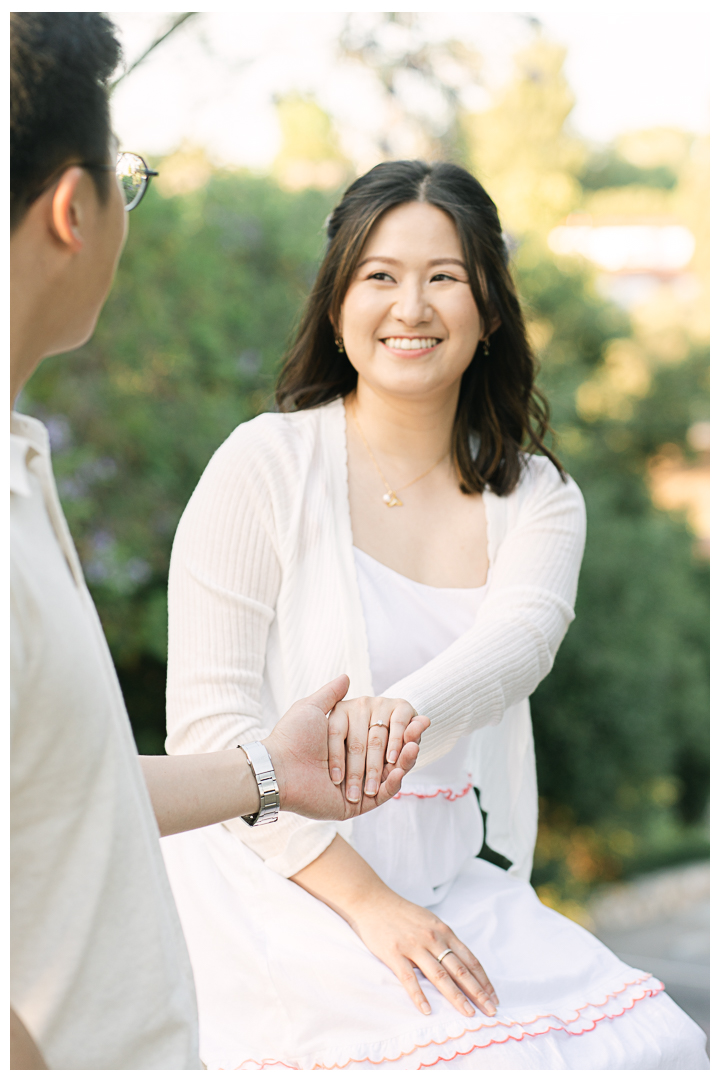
(262, 766)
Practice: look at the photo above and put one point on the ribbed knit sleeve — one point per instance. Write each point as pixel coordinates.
(225, 574)
(528, 608)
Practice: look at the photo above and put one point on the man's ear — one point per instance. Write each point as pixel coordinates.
(66, 216)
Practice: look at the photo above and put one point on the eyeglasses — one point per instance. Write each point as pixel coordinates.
(132, 173)
(134, 177)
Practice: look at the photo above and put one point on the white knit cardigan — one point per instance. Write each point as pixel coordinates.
(264, 608)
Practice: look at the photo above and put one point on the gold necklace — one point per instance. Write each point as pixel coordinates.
(390, 498)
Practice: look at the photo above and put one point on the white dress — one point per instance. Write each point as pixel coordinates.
(284, 983)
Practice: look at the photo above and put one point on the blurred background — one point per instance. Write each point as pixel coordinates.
(590, 132)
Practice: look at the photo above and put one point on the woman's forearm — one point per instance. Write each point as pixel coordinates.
(343, 880)
(528, 608)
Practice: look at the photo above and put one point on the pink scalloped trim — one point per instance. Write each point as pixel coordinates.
(447, 793)
(560, 1026)
(532, 1034)
(261, 1065)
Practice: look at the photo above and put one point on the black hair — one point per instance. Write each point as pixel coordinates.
(60, 64)
(501, 413)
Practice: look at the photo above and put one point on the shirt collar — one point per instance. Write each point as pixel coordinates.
(26, 435)
(19, 483)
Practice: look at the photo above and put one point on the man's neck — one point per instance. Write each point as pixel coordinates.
(27, 317)
(37, 307)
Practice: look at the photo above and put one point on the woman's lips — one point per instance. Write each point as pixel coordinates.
(410, 346)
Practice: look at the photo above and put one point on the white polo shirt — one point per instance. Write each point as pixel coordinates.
(100, 972)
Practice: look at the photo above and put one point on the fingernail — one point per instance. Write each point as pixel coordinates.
(425, 1008)
(493, 997)
(392, 756)
(336, 776)
(469, 1011)
(353, 794)
(371, 788)
(489, 1008)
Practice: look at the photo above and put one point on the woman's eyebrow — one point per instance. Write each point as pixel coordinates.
(438, 262)
(395, 262)
(376, 258)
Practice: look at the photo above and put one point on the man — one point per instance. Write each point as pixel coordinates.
(100, 973)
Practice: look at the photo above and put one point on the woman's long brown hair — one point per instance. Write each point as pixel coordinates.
(500, 412)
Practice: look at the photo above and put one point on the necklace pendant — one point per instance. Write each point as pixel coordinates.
(391, 499)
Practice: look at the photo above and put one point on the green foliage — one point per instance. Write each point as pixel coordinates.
(626, 704)
(611, 170)
(627, 699)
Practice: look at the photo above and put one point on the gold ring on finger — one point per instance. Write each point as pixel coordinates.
(443, 955)
(378, 723)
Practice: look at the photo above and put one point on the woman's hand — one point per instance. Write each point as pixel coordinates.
(365, 738)
(299, 749)
(405, 936)
(402, 935)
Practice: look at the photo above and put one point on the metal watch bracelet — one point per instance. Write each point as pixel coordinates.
(261, 764)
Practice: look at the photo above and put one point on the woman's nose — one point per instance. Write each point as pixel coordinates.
(411, 305)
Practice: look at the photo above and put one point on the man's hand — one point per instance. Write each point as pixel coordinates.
(298, 746)
(190, 791)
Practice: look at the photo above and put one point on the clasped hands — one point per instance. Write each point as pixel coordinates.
(340, 765)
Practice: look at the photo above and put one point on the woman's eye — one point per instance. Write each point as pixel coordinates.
(380, 275)
(443, 277)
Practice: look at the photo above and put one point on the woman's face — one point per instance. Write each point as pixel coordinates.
(409, 321)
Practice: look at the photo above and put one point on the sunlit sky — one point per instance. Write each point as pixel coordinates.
(213, 82)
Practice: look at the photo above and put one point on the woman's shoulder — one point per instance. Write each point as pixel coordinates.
(273, 445)
(539, 469)
(274, 428)
(544, 498)
(261, 470)
(542, 482)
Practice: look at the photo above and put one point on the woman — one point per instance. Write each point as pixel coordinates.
(402, 521)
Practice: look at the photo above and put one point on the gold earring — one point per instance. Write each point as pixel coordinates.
(340, 344)
(486, 348)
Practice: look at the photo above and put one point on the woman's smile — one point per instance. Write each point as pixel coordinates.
(410, 347)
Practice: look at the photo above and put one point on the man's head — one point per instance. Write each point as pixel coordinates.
(60, 63)
(67, 211)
